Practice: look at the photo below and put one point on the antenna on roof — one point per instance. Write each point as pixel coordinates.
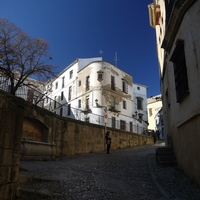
(116, 59)
(100, 52)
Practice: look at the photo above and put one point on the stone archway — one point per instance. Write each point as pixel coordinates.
(34, 130)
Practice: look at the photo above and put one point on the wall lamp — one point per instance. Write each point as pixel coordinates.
(136, 113)
(99, 106)
(96, 101)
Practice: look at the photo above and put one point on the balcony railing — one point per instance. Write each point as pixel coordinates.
(114, 109)
(42, 100)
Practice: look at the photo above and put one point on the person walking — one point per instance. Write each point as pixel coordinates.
(154, 136)
(108, 142)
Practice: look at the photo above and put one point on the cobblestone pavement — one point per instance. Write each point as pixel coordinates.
(125, 174)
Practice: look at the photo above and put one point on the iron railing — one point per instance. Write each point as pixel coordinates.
(40, 99)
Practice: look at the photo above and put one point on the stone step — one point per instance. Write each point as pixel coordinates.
(166, 159)
(32, 194)
(166, 156)
(36, 188)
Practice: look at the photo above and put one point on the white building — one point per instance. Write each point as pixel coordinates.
(31, 90)
(155, 117)
(160, 124)
(96, 91)
(140, 106)
(179, 78)
(157, 20)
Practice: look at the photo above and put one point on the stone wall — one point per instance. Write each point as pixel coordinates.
(24, 127)
(37, 150)
(11, 120)
(76, 137)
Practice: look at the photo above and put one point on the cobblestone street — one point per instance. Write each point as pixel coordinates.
(125, 174)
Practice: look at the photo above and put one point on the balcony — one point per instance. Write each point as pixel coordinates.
(86, 110)
(157, 14)
(114, 109)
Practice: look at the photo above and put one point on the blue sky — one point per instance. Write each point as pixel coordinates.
(80, 28)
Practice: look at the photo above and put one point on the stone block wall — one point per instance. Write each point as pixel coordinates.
(11, 120)
(66, 137)
(76, 137)
(87, 138)
(37, 150)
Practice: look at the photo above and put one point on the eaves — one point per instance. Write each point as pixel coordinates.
(73, 63)
(179, 10)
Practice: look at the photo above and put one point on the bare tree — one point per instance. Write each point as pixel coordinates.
(22, 56)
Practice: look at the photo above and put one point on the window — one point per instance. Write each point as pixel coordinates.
(112, 102)
(87, 83)
(42, 101)
(61, 111)
(56, 86)
(79, 83)
(122, 125)
(124, 86)
(48, 87)
(87, 119)
(139, 103)
(112, 83)
(63, 82)
(131, 126)
(150, 112)
(8, 88)
(69, 109)
(113, 122)
(70, 74)
(61, 97)
(100, 76)
(124, 104)
(138, 88)
(70, 93)
(87, 103)
(180, 71)
(79, 103)
(30, 95)
(55, 101)
(140, 116)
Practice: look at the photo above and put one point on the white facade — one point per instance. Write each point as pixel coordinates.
(157, 19)
(96, 91)
(160, 124)
(180, 83)
(140, 105)
(32, 90)
(155, 115)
